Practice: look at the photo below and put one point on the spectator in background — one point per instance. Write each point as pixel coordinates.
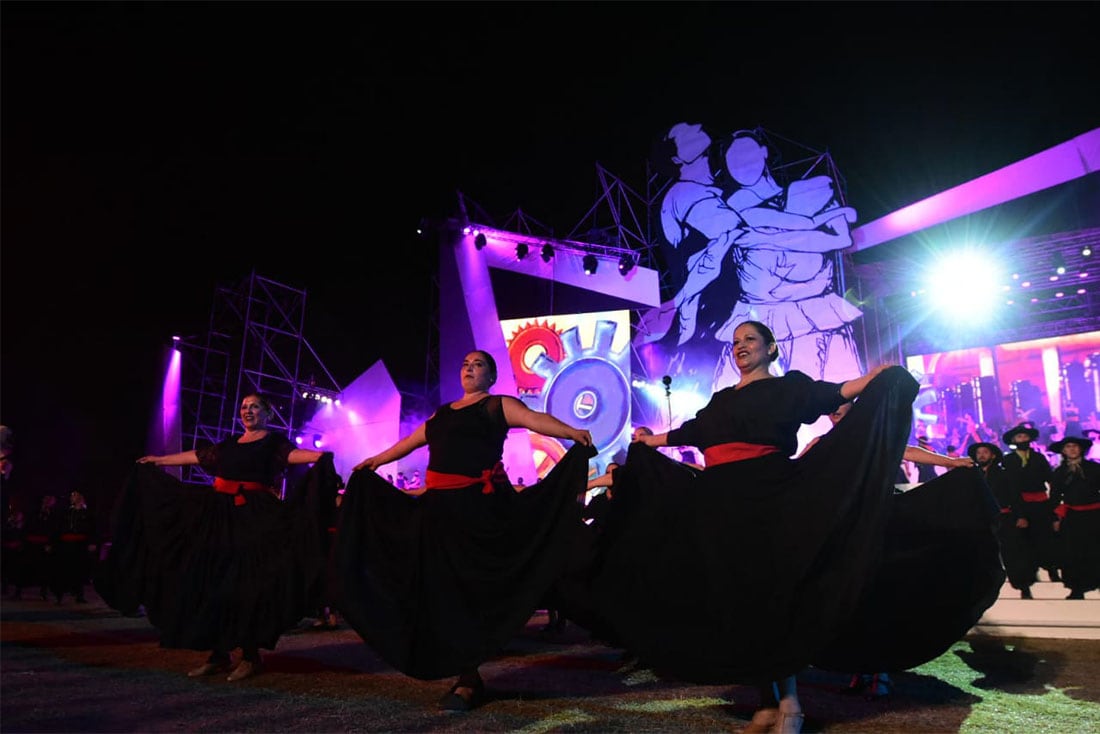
(7, 453)
(12, 565)
(41, 536)
(73, 553)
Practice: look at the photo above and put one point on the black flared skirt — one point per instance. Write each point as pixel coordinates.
(212, 574)
(744, 572)
(438, 583)
(940, 571)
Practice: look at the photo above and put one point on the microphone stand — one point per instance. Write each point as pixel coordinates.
(668, 396)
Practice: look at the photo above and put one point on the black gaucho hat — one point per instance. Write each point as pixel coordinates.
(972, 450)
(1030, 430)
(1084, 443)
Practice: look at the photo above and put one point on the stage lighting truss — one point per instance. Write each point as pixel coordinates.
(326, 397)
(591, 254)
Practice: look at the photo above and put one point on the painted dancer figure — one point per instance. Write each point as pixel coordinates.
(699, 229)
(438, 583)
(228, 566)
(786, 277)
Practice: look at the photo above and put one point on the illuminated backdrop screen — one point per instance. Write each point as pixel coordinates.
(577, 368)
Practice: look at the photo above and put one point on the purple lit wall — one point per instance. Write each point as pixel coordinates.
(366, 422)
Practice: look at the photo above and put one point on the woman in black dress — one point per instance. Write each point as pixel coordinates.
(227, 566)
(437, 583)
(742, 572)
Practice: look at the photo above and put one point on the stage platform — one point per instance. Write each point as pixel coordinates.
(1048, 614)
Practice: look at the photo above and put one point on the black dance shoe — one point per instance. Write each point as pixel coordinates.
(451, 701)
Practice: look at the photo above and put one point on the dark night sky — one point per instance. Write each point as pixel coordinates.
(154, 151)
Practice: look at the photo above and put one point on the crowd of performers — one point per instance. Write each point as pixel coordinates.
(748, 571)
(49, 551)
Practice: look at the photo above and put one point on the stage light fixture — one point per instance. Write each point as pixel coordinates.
(521, 250)
(1086, 251)
(547, 253)
(1059, 263)
(590, 264)
(626, 263)
(480, 241)
(317, 442)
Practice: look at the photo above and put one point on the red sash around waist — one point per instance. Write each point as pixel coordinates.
(1034, 496)
(724, 453)
(235, 487)
(37, 539)
(1006, 510)
(1062, 510)
(442, 480)
(73, 537)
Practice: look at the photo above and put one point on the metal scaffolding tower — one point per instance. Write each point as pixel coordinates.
(255, 343)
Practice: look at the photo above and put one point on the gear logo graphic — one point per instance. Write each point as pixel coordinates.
(588, 386)
(527, 344)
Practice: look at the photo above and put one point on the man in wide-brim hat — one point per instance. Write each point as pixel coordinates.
(1027, 429)
(994, 451)
(1084, 443)
(1026, 472)
(1075, 490)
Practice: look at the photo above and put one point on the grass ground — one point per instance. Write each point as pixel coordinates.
(84, 668)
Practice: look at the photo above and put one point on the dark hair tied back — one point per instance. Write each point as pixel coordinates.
(765, 334)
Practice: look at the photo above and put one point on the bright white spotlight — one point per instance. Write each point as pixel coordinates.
(964, 286)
